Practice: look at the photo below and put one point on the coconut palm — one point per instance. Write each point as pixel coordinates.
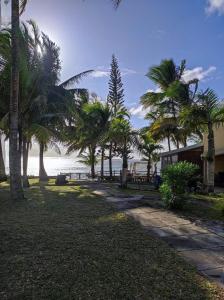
(208, 112)
(88, 130)
(125, 138)
(14, 153)
(89, 160)
(148, 148)
(173, 93)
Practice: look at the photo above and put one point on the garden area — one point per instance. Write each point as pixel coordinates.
(68, 243)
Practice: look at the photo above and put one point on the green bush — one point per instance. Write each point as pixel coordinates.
(176, 178)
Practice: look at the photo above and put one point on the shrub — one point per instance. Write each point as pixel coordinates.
(176, 178)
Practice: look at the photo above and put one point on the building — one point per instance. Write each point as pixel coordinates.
(196, 154)
(191, 153)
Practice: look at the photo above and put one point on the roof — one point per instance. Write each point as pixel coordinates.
(176, 151)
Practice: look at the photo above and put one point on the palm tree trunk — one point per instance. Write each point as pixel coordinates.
(3, 176)
(124, 169)
(210, 160)
(14, 151)
(148, 170)
(93, 153)
(110, 161)
(25, 162)
(42, 173)
(169, 147)
(102, 162)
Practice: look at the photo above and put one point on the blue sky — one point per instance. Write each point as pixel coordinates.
(140, 33)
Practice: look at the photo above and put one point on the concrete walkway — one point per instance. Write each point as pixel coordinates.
(201, 244)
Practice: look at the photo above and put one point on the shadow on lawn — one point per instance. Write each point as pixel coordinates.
(67, 243)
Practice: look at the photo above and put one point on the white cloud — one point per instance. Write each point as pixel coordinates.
(157, 34)
(157, 90)
(105, 72)
(139, 111)
(214, 6)
(100, 73)
(198, 73)
(126, 71)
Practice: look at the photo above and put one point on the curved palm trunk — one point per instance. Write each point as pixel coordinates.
(102, 162)
(110, 161)
(93, 153)
(3, 176)
(14, 149)
(25, 162)
(42, 173)
(210, 185)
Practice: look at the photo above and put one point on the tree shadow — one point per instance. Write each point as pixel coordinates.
(68, 243)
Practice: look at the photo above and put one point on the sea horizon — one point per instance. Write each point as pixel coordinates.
(63, 164)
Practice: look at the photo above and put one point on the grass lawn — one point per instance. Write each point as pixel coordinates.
(66, 243)
(207, 206)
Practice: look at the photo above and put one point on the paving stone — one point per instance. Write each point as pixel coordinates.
(182, 243)
(100, 193)
(216, 274)
(187, 229)
(146, 221)
(205, 259)
(217, 229)
(114, 199)
(161, 232)
(209, 240)
(163, 215)
(142, 210)
(173, 222)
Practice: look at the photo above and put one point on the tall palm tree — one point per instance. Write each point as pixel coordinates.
(125, 138)
(148, 148)
(208, 112)
(88, 130)
(14, 153)
(173, 93)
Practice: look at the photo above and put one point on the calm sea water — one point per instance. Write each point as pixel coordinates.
(56, 165)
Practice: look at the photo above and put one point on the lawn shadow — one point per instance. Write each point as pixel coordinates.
(67, 243)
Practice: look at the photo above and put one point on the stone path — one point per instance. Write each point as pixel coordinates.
(200, 244)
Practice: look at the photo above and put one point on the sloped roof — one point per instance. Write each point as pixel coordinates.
(188, 148)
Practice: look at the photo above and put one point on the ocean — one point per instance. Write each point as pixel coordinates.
(57, 165)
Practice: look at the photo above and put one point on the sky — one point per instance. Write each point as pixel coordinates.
(140, 33)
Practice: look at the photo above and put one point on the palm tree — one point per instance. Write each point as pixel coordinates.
(89, 160)
(125, 138)
(172, 95)
(14, 153)
(207, 111)
(89, 129)
(148, 148)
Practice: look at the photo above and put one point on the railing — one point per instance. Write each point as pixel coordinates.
(134, 177)
(77, 175)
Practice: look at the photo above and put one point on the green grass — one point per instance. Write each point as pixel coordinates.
(66, 243)
(207, 206)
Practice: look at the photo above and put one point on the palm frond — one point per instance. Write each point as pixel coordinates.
(23, 4)
(75, 79)
(116, 3)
